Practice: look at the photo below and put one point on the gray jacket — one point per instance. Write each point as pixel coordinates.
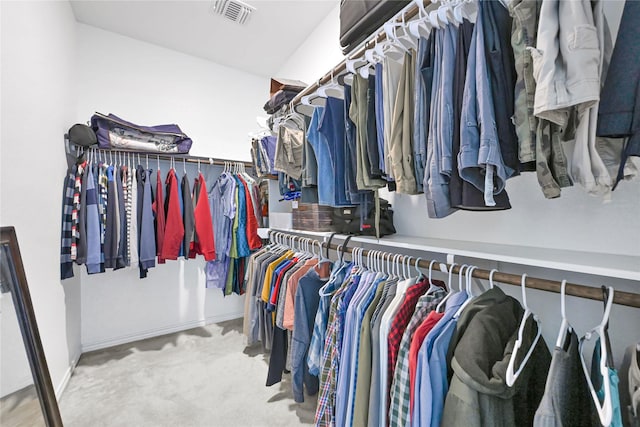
(566, 59)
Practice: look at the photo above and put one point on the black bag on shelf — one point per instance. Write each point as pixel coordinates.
(349, 220)
(360, 18)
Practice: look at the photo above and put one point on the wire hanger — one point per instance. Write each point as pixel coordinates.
(511, 375)
(604, 409)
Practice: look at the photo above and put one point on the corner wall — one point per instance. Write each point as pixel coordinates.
(38, 105)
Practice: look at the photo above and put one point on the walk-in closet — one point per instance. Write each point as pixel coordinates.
(390, 213)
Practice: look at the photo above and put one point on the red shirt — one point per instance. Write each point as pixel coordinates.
(416, 342)
(174, 227)
(204, 242)
(158, 209)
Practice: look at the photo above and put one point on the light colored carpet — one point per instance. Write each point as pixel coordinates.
(21, 409)
(200, 377)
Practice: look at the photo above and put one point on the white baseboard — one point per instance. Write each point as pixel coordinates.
(137, 336)
(62, 386)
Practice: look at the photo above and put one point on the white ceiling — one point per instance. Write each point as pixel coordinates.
(274, 31)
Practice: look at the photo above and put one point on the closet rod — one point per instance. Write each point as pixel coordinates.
(180, 157)
(628, 299)
(335, 71)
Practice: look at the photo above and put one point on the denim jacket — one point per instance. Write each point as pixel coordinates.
(479, 145)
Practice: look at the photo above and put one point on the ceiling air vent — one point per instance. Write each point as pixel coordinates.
(233, 10)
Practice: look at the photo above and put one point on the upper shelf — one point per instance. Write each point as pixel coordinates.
(601, 264)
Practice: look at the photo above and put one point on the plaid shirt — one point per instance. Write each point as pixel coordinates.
(398, 326)
(66, 238)
(325, 411)
(401, 388)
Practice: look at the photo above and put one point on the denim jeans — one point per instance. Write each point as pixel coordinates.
(332, 126)
(326, 182)
(379, 111)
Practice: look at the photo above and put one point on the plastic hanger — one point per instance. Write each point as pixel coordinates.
(433, 261)
(420, 27)
(565, 327)
(332, 88)
(604, 409)
(465, 9)
(470, 297)
(512, 375)
(444, 300)
(406, 38)
(445, 13)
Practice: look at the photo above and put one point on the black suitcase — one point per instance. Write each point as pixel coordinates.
(360, 18)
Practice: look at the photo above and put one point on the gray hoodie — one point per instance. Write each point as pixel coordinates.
(478, 395)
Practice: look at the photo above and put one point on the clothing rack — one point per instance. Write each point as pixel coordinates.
(405, 14)
(628, 299)
(181, 157)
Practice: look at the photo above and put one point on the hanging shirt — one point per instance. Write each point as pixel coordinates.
(420, 362)
(223, 211)
(204, 243)
(399, 411)
(158, 209)
(566, 400)
(93, 226)
(134, 221)
(253, 239)
(174, 228)
(188, 217)
(66, 262)
(111, 230)
(147, 240)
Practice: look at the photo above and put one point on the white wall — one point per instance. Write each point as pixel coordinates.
(216, 106)
(38, 95)
(576, 221)
(318, 53)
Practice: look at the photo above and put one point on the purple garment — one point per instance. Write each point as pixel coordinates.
(268, 146)
(223, 211)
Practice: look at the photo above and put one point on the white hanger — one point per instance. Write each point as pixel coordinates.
(406, 38)
(604, 409)
(491, 278)
(564, 326)
(441, 303)
(445, 13)
(465, 9)
(470, 297)
(511, 375)
(420, 27)
(332, 88)
(433, 261)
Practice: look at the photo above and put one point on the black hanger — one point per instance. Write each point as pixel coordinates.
(326, 253)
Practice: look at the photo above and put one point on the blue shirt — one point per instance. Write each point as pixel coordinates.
(423, 408)
(320, 325)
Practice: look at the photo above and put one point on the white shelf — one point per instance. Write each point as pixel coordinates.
(601, 264)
